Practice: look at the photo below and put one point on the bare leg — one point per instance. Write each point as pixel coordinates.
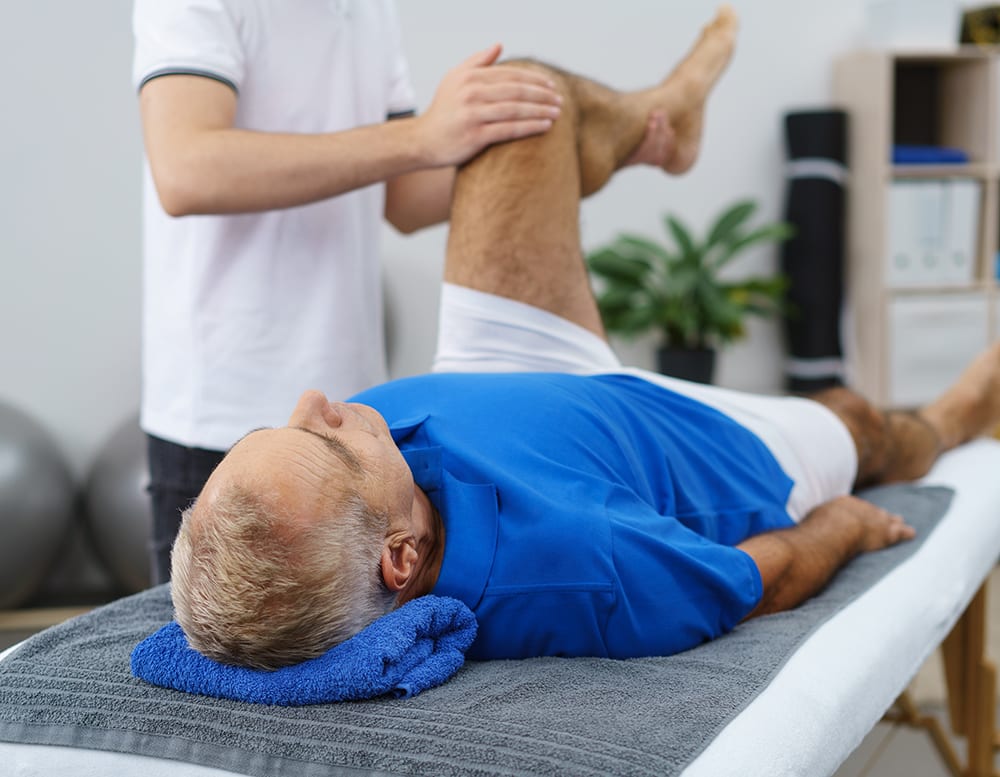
(796, 563)
(515, 214)
(902, 446)
(612, 124)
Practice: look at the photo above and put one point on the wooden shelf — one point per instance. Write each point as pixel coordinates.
(981, 287)
(914, 320)
(978, 170)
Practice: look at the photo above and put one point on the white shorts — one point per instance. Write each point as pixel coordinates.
(481, 332)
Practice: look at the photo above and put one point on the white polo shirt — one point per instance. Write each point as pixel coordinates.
(242, 313)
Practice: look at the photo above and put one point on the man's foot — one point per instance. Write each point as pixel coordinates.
(971, 407)
(682, 94)
(660, 125)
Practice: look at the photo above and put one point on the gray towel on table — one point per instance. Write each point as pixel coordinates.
(71, 685)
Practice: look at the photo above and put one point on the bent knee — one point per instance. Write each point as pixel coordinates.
(849, 405)
(867, 425)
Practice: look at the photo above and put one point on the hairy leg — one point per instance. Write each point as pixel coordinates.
(515, 215)
(895, 446)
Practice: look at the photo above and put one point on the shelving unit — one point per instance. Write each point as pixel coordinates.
(921, 303)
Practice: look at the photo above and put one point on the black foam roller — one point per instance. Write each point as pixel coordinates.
(813, 259)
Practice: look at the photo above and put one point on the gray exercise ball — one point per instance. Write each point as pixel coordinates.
(119, 513)
(37, 501)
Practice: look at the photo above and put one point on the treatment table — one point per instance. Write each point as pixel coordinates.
(788, 694)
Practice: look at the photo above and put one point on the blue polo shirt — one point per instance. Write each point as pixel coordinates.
(586, 516)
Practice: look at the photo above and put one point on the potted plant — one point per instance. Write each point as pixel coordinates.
(678, 289)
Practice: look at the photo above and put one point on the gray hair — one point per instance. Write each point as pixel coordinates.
(254, 589)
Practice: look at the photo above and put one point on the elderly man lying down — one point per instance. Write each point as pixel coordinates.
(578, 507)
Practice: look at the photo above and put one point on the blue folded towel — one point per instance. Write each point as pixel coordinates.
(415, 647)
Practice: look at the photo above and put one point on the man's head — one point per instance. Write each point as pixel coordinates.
(302, 536)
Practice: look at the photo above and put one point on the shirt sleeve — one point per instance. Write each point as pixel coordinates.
(676, 588)
(189, 37)
(402, 99)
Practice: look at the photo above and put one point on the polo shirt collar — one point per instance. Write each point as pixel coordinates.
(468, 512)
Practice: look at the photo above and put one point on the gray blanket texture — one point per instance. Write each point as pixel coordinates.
(71, 685)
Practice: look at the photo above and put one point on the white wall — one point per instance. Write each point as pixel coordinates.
(69, 219)
(70, 160)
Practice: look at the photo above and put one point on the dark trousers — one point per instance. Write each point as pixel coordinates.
(176, 477)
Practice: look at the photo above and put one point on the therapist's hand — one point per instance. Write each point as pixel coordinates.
(480, 103)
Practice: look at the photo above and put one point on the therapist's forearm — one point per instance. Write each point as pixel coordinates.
(232, 170)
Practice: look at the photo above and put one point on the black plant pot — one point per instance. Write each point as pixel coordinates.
(694, 364)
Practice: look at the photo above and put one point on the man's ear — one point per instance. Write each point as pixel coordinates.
(399, 561)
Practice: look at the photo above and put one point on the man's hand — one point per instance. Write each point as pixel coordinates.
(879, 528)
(479, 103)
(797, 563)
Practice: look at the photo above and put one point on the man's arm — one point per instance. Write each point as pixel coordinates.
(797, 563)
(201, 163)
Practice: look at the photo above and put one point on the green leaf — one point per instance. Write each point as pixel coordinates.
(758, 301)
(619, 267)
(679, 323)
(683, 280)
(724, 227)
(682, 236)
(758, 284)
(772, 286)
(635, 245)
(778, 232)
(635, 320)
(616, 297)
